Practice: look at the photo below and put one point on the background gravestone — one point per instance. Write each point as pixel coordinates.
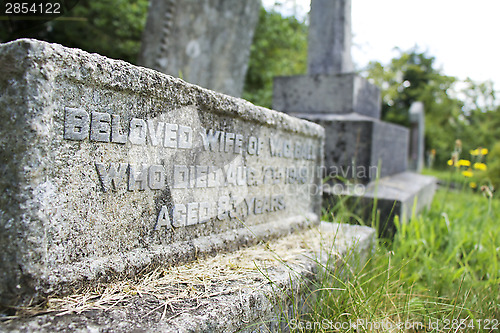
(205, 42)
(110, 168)
(417, 134)
(359, 147)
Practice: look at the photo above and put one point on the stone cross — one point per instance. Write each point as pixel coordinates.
(329, 50)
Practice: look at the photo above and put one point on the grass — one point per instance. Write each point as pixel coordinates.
(440, 273)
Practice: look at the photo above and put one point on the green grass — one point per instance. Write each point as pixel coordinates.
(441, 267)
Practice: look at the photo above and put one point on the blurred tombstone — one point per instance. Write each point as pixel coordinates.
(417, 132)
(361, 151)
(205, 42)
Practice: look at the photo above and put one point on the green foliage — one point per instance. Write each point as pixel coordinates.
(279, 48)
(469, 114)
(109, 27)
(443, 265)
(493, 173)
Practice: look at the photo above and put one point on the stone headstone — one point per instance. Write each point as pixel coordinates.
(108, 168)
(329, 47)
(204, 42)
(359, 147)
(417, 135)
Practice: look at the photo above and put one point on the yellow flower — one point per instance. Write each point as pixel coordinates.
(450, 162)
(484, 151)
(464, 163)
(474, 152)
(473, 185)
(480, 166)
(467, 173)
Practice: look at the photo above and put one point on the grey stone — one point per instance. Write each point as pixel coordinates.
(204, 42)
(401, 195)
(340, 94)
(417, 136)
(108, 169)
(329, 47)
(270, 284)
(361, 148)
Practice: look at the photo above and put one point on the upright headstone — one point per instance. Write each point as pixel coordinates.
(108, 168)
(329, 47)
(205, 42)
(344, 102)
(417, 133)
(359, 146)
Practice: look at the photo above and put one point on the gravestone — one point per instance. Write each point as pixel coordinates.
(359, 147)
(108, 169)
(417, 134)
(204, 42)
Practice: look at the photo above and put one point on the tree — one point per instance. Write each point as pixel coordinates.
(109, 27)
(279, 48)
(413, 77)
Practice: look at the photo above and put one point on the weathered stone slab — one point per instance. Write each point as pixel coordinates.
(264, 288)
(108, 168)
(205, 42)
(399, 195)
(360, 148)
(339, 94)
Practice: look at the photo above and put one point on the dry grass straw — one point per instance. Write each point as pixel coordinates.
(185, 287)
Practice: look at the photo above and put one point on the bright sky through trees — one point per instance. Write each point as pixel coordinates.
(461, 34)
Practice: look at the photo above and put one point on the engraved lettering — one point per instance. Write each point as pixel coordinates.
(238, 144)
(201, 176)
(241, 177)
(137, 134)
(192, 213)
(210, 139)
(76, 124)
(205, 211)
(287, 148)
(255, 146)
(230, 174)
(113, 176)
(229, 142)
(163, 219)
(268, 175)
(192, 176)
(155, 136)
(137, 179)
(258, 206)
(179, 216)
(117, 135)
(222, 207)
(185, 137)
(171, 135)
(250, 203)
(181, 176)
(100, 127)
(252, 177)
(276, 146)
(156, 177)
(213, 177)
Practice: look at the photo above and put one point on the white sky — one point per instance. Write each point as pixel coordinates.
(463, 35)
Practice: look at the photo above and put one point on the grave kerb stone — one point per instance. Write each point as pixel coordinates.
(111, 168)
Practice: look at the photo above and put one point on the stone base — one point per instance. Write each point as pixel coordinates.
(358, 147)
(403, 194)
(326, 94)
(251, 292)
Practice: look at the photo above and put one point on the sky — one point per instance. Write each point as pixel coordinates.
(461, 34)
